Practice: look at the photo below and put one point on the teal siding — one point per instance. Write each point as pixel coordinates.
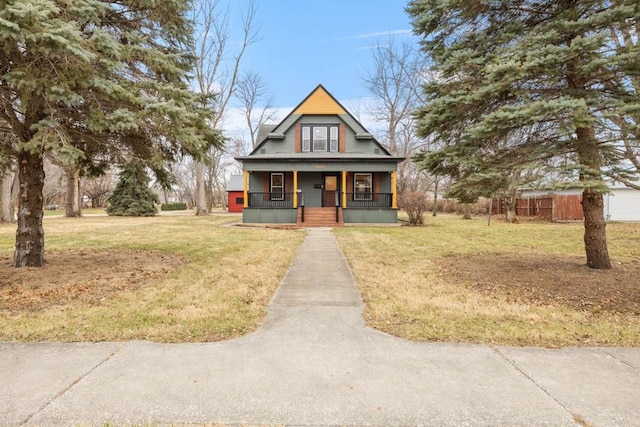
(269, 216)
(256, 182)
(319, 120)
(312, 195)
(358, 146)
(351, 144)
(353, 124)
(286, 125)
(385, 183)
(274, 146)
(370, 216)
(319, 166)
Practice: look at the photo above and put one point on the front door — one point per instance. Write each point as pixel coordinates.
(329, 190)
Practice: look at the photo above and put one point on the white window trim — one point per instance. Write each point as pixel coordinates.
(362, 195)
(332, 148)
(306, 139)
(307, 143)
(315, 141)
(276, 195)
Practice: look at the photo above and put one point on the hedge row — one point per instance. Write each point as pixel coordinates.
(177, 206)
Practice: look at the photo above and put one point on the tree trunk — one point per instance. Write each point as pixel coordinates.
(72, 206)
(490, 210)
(29, 250)
(595, 236)
(510, 210)
(435, 198)
(201, 195)
(7, 205)
(466, 208)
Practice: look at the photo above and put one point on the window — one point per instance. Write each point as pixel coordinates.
(333, 141)
(362, 186)
(306, 138)
(320, 138)
(277, 186)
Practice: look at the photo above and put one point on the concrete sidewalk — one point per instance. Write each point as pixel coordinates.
(314, 362)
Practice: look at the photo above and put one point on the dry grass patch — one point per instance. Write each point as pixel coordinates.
(83, 278)
(525, 284)
(166, 279)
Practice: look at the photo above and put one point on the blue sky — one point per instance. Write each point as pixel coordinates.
(309, 42)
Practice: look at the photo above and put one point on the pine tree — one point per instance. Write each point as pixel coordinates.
(553, 70)
(94, 81)
(132, 195)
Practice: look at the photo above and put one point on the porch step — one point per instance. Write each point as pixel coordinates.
(320, 217)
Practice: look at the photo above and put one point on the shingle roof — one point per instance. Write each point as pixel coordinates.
(236, 183)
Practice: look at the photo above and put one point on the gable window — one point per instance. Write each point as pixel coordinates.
(277, 186)
(362, 186)
(320, 138)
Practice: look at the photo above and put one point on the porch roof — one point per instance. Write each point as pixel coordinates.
(315, 157)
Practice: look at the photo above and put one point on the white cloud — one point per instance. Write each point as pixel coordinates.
(369, 47)
(235, 123)
(376, 34)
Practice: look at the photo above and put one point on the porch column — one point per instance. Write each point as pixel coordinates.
(245, 187)
(394, 190)
(344, 189)
(295, 189)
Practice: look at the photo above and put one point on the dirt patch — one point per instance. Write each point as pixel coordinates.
(80, 277)
(549, 280)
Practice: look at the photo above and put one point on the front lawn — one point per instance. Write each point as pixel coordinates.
(523, 284)
(165, 278)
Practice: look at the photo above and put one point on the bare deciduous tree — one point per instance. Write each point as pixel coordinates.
(395, 83)
(8, 192)
(217, 72)
(97, 189)
(256, 103)
(183, 188)
(72, 203)
(54, 189)
(8, 176)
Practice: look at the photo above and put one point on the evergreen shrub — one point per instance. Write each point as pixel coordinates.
(132, 195)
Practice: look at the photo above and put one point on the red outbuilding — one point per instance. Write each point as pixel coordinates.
(235, 193)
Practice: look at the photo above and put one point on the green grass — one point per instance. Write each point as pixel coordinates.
(407, 294)
(230, 274)
(86, 211)
(220, 292)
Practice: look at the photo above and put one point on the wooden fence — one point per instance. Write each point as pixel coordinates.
(553, 207)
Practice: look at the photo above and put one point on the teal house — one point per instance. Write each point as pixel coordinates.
(319, 167)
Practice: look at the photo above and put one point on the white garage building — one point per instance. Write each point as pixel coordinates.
(622, 203)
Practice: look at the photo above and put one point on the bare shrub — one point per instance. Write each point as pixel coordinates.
(415, 205)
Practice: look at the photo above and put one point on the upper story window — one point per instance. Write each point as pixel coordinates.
(320, 138)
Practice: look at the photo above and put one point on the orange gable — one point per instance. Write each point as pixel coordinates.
(319, 102)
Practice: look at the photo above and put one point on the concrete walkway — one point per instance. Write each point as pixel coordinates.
(314, 362)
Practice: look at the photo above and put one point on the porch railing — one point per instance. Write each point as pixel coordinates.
(369, 200)
(354, 200)
(271, 200)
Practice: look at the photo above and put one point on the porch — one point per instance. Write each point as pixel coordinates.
(342, 200)
(264, 209)
(338, 197)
